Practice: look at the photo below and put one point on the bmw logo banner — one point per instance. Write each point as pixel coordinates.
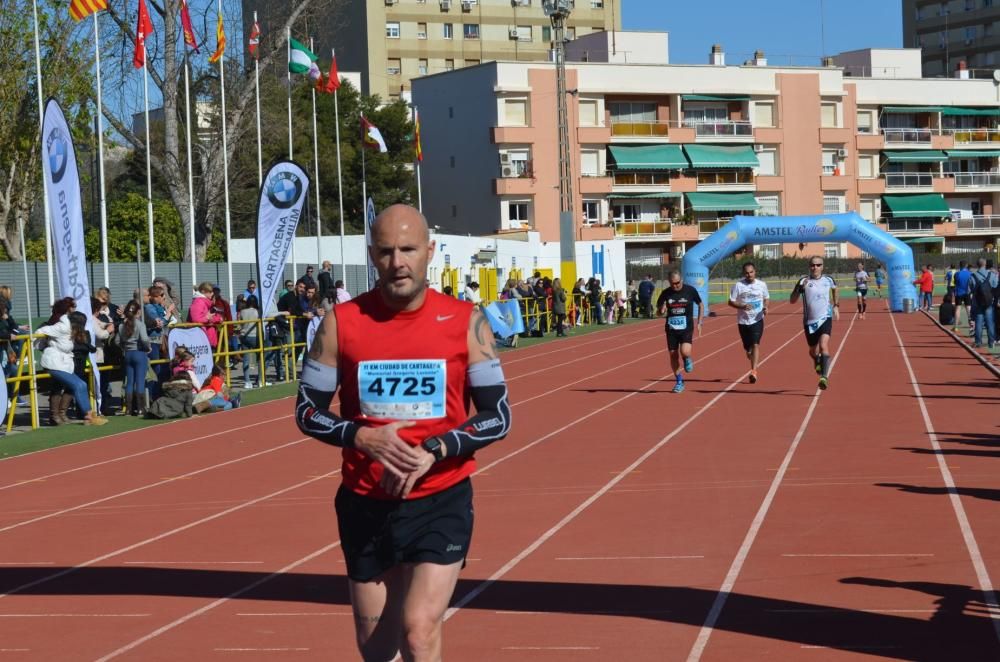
(282, 196)
(62, 186)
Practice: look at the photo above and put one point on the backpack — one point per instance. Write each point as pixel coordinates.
(982, 293)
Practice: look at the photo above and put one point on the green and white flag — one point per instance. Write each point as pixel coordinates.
(302, 60)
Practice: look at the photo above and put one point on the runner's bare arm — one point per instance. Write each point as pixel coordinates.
(796, 291)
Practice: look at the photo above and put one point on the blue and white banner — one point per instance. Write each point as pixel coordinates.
(369, 223)
(504, 318)
(62, 183)
(279, 208)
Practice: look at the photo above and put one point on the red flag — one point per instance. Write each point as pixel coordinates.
(417, 147)
(143, 28)
(189, 37)
(333, 79)
(254, 37)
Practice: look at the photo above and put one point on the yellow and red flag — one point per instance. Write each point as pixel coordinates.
(418, 150)
(189, 37)
(81, 9)
(143, 28)
(254, 37)
(220, 37)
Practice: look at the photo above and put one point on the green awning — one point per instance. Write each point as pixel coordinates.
(912, 109)
(648, 157)
(722, 201)
(973, 153)
(924, 240)
(918, 205)
(915, 156)
(714, 97)
(643, 196)
(973, 112)
(716, 156)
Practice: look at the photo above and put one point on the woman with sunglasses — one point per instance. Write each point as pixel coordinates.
(819, 309)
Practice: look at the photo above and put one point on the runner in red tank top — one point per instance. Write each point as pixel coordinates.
(408, 362)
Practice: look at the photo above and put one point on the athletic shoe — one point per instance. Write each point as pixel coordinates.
(819, 366)
(822, 383)
(753, 376)
(679, 387)
(688, 364)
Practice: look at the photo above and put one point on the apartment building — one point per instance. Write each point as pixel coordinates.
(954, 31)
(665, 154)
(394, 41)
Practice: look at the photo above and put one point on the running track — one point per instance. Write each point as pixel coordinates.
(618, 521)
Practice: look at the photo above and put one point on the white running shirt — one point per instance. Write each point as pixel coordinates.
(861, 280)
(754, 293)
(816, 304)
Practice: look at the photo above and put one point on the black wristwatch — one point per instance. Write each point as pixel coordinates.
(435, 447)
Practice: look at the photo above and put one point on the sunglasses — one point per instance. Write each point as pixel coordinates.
(816, 265)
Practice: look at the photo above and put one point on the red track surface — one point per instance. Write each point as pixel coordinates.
(618, 521)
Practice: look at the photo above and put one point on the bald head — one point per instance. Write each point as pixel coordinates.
(401, 219)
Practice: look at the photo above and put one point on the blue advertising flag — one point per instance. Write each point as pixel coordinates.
(504, 318)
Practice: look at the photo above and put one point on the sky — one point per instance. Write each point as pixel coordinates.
(788, 31)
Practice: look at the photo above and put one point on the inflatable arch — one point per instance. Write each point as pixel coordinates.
(894, 254)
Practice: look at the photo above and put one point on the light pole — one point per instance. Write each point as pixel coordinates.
(558, 11)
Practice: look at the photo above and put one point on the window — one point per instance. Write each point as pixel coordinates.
(392, 30)
(588, 112)
(517, 214)
(546, 33)
(768, 162)
(970, 34)
(866, 166)
(421, 31)
(394, 67)
(633, 111)
(470, 30)
(570, 34)
(515, 112)
(629, 212)
(524, 33)
(970, 5)
(449, 65)
(597, 4)
(471, 63)
(865, 123)
(591, 212)
(517, 163)
(763, 114)
(833, 204)
(828, 114)
(590, 163)
(769, 251)
(831, 250)
(867, 210)
(449, 31)
(422, 67)
(701, 113)
(770, 205)
(829, 162)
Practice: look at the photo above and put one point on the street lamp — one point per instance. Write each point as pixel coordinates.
(558, 11)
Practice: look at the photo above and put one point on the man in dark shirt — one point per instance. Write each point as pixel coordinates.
(646, 289)
(325, 279)
(677, 303)
(308, 277)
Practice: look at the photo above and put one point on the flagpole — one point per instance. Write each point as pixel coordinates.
(319, 223)
(225, 167)
(100, 153)
(420, 192)
(364, 204)
(149, 171)
(45, 184)
(288, 39)
(256, 86)
(340, 181)
(192, 243)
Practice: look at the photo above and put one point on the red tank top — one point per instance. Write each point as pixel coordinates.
(404, 366)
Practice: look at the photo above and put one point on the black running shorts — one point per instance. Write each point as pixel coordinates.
(376, 534)
(751, 334)
(825, 329)
(677, 338)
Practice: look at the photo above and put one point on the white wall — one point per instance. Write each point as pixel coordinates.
(928, 91)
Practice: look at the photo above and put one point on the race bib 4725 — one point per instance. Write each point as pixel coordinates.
(403, 390)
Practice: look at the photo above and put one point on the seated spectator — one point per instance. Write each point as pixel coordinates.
(57, 358)
(946, 313)
(83, 347)
(218, 393)
(177, 400)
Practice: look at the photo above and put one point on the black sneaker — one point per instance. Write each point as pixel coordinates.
(819, 366)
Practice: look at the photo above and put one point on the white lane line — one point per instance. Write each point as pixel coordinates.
(27, 563)
(151, 485)
(14, 650)
(850, 611)
(851, 647)
(982, 574)
(551, 648)
(570, 347)
(261, 650)
(212, 605)
(625, 558)
(166, 534)
(139, 454)
(851, 556)
(296, 614)
(734, 570)
(75, 615)
(527, 551)
(193, 563)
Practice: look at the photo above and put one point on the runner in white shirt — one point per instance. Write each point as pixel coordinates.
(861, 287)
(819, 309)
(750, 296)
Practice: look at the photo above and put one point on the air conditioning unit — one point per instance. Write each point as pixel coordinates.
(842, 153)
(505, 158)
(466, 6)
(445, 5)
(390, 2)
(508, 171)
(758, 148)
(513, 33)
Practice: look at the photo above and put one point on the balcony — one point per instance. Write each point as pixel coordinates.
(645, 130)
(512, 134)
(629, 228)
(968, 137)
(514, 186)
(834, 135)
(918, 137)
(869, 141)
(725, 179)
(722, 130)
(909, 180)
(588, 135)
(628, 178)
(979, 225)
(712, 225)
(596, 184)
(909, 226)
(970, 180)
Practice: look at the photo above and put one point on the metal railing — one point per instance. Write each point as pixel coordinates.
(725, 178)
(909, 225)
(975, 179)
(721, 129)
(653, 128)
(712, 225)
(908, 136)
(909, 180)
(629, 228)
(660, 178)
(973, 136)
(979, 224)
